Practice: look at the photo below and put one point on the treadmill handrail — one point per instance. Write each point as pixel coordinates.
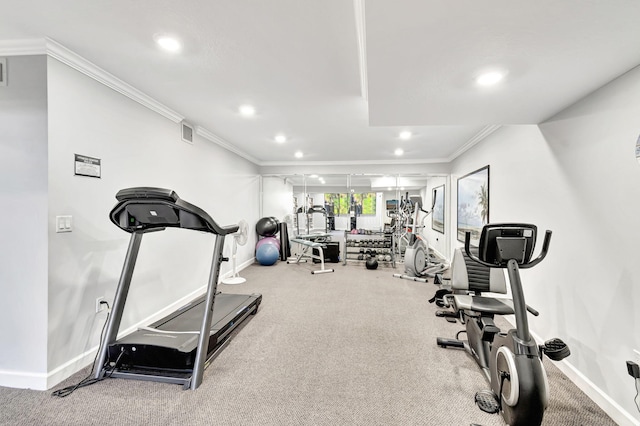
(139, 196)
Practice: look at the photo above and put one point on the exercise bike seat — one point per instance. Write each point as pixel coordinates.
(469, 279)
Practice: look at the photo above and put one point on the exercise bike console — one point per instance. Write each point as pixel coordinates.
(500, 243)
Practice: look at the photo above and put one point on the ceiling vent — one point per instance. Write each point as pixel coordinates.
(3, 71)
(187, 132)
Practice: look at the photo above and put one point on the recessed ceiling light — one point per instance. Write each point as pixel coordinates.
(405, 135)
(247, 110)
(168, 43)
(298, 154)
(313, 176)
(490, 78)
(398, 152)
(280, 138)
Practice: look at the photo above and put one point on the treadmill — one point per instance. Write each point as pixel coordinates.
(177, 348)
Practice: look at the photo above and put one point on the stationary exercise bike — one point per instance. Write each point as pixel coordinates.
(512, 361)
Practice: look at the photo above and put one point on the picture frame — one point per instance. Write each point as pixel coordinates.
(473, 204)
(437, 213)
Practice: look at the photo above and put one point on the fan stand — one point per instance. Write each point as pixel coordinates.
(235, 278)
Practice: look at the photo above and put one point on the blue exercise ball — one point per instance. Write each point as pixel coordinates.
(267, 254)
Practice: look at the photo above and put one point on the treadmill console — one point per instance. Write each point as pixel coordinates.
(147, 209)
(143, 192)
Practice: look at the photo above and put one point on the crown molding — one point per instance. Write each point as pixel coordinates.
(477, 138)
(351, 163)
(224, 144)
(59, 52)
(358, 6)
(23, 47)
(77, 62)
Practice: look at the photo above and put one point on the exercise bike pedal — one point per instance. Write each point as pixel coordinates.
(446, 314)
(555, 349)
(487, 401)
(450, 316)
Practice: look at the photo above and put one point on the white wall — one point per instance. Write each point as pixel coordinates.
(277, 201)
(277, 197)
(137, 147)
(577, 175)
(23, 213)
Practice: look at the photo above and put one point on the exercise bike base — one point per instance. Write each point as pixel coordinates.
(454, 343)
(487, 402)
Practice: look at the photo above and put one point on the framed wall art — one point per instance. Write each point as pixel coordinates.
(437, 214)
(473, 204)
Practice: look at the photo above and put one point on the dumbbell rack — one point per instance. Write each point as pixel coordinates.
(378, 243)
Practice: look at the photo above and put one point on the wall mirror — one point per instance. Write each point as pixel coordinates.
(335, 203)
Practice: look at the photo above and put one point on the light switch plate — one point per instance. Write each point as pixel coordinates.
(64, 224)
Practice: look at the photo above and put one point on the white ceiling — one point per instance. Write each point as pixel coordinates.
(299, 63)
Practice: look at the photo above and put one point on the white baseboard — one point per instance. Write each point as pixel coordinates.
(438, 254)
(608, 405)
(604, 401)
(70, 368)
(23, 380)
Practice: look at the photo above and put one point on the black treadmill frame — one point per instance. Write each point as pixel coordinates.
(126, 215)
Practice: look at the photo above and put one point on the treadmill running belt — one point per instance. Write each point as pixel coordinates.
(174, 346)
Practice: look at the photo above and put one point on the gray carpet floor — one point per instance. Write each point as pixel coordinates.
(353, 347)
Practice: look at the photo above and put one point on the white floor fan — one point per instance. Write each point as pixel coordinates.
(239, 238)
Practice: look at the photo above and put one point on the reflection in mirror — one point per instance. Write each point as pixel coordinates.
(320, 208)
(337, 203)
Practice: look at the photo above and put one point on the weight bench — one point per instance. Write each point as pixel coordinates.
(306, 246)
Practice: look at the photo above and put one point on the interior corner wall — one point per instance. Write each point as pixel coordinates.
(23, 213)
(137, 147)
(577, 175)
(277, 199)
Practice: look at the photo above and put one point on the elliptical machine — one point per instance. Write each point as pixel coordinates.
(512, 361)
(419, 263)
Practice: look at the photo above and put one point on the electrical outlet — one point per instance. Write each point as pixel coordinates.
(99, 306)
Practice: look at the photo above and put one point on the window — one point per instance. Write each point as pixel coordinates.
(343, 204)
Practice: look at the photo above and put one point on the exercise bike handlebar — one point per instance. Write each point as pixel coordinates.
(543, 253)
(541, 256)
